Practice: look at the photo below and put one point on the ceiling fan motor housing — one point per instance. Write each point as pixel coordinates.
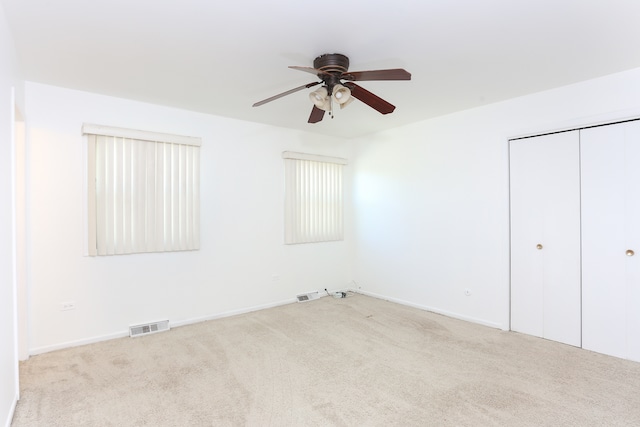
(333, 65)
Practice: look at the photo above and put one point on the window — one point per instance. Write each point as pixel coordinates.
(313, 198)
(143, 191)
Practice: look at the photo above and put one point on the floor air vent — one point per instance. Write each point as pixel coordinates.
(148, 328)
(309, 296)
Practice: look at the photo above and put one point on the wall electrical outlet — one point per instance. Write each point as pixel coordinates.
(66, 306)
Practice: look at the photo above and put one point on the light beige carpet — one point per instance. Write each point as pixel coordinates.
(357, 361)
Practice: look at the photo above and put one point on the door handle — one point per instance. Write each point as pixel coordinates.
(630, 252)
(539, 247)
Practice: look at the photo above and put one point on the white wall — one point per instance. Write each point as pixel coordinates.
(10, 88)
(431, 200)
(241, 225)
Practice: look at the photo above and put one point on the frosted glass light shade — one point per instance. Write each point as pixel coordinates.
(319, 97)
(341, 94)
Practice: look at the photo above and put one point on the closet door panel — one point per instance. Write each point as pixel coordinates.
(545, 236)
(610, 163)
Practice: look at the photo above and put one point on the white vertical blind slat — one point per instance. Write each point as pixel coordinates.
(196, 199)
(128, 197)
(326, 200)
(150, 192)
(324, 203)
(100, 186)
(300, 199)
(306, 194)
(287, 202)
(339, 204)
(109, 195)
(188, 220)
(118, 196)
(166, 208)
(314, 208)
(175, 198)
(158, 212)
(91, 195)
(183, 197)
(140, 187)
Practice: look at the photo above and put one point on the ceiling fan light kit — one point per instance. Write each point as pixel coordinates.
(332, 69)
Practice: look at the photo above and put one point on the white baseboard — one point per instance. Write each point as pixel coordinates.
(68, 344)
(231, 313)
(434, 310)
(12, 411)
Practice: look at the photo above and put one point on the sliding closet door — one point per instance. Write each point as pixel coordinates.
(610, 157)
(545, 236)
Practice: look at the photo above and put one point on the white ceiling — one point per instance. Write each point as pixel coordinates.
(220, 57)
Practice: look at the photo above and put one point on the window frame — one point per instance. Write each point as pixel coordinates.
(314, 198)
(178, 187)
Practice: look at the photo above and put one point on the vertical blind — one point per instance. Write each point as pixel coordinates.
(313, 198)
(143, 194)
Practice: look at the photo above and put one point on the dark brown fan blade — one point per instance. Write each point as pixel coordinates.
(289, 92)
(309, 70)
(316, 115)
(392, 74)
(370, 99)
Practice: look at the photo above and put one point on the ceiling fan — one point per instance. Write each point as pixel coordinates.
(332, 69)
